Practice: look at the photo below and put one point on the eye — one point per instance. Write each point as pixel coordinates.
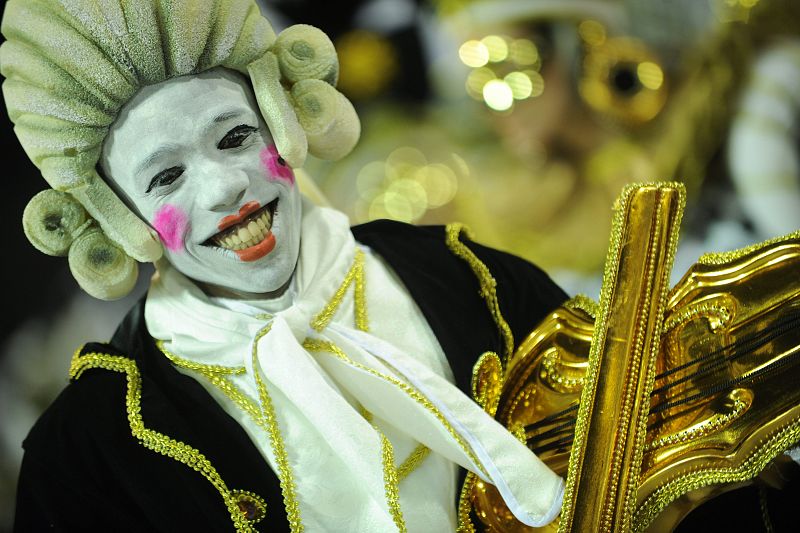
(165, 177)
(235, 137)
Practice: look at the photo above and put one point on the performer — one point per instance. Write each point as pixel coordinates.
(283, 371)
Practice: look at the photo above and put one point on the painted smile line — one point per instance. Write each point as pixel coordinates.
(248, 233)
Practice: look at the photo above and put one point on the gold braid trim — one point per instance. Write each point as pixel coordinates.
(390, 481)
(153, 440)
(314, 345)
(750, 468)
(584, 303)
(413, 461)
(230, 390)
(355, 274)
(488, 290)
(487, 282)
(276, 440)
(465, 524)
(264, 418)
(720, 258)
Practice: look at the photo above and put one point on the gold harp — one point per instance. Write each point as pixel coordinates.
(654, 400)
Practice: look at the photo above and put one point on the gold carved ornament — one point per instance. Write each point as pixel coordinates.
(655, 400)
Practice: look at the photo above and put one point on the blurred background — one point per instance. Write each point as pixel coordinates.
(522, 119)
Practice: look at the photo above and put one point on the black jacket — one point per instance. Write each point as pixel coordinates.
(132, 444)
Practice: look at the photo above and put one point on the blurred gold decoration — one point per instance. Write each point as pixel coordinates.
(367, 64)
(698, 114)
(621, 79)
(735, 10)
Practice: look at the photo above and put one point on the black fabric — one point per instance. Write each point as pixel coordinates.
(84, 471)
(752, 509)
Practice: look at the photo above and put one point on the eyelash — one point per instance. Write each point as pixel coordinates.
(237, 136)
(233, 139)
(165, 177)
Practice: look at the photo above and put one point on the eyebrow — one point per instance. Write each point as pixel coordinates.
(164, 150)
(222, 117)
(155, 156)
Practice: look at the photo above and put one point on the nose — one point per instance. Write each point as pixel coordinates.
(221, 188)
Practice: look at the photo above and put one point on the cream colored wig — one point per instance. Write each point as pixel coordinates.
(70, 65)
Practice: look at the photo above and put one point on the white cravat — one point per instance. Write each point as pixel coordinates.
(322, 373)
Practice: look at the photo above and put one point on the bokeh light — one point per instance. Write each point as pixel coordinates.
(592, 32)
(477, 79)
(537, 82)
(520, 84)
(524, 53)
(473, 54)
(498, 95)
(405, 185)
(650, 75)
(497, 48)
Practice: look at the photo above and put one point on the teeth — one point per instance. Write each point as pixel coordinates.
(248, 235)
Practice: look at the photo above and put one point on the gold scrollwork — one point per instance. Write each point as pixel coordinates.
(718, 312)
(487, 381)
(735, 405)
(552, 373)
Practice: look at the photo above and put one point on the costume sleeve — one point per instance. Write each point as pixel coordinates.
(69, 480)
(525, 292)
(48, 502)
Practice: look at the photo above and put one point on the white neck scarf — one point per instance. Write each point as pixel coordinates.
(341, 407)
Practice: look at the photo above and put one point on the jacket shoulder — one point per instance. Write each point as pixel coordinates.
(90, 406)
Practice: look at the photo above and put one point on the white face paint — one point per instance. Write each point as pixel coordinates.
(194, 157)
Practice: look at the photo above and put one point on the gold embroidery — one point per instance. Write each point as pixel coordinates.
(153, 440)
(487, 282)
(315, 345)
(355, 274)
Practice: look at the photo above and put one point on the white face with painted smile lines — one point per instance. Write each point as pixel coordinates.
(194, 157)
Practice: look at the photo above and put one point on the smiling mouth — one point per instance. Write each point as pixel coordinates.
(253, 231)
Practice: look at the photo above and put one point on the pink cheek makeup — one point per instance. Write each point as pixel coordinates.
(275, 166)
(171, 224)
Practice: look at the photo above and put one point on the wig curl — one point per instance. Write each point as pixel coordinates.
(70, 66)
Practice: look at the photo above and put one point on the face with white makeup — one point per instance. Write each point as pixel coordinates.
(194, 158)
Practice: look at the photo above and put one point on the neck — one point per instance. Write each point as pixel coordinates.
(219, 291)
